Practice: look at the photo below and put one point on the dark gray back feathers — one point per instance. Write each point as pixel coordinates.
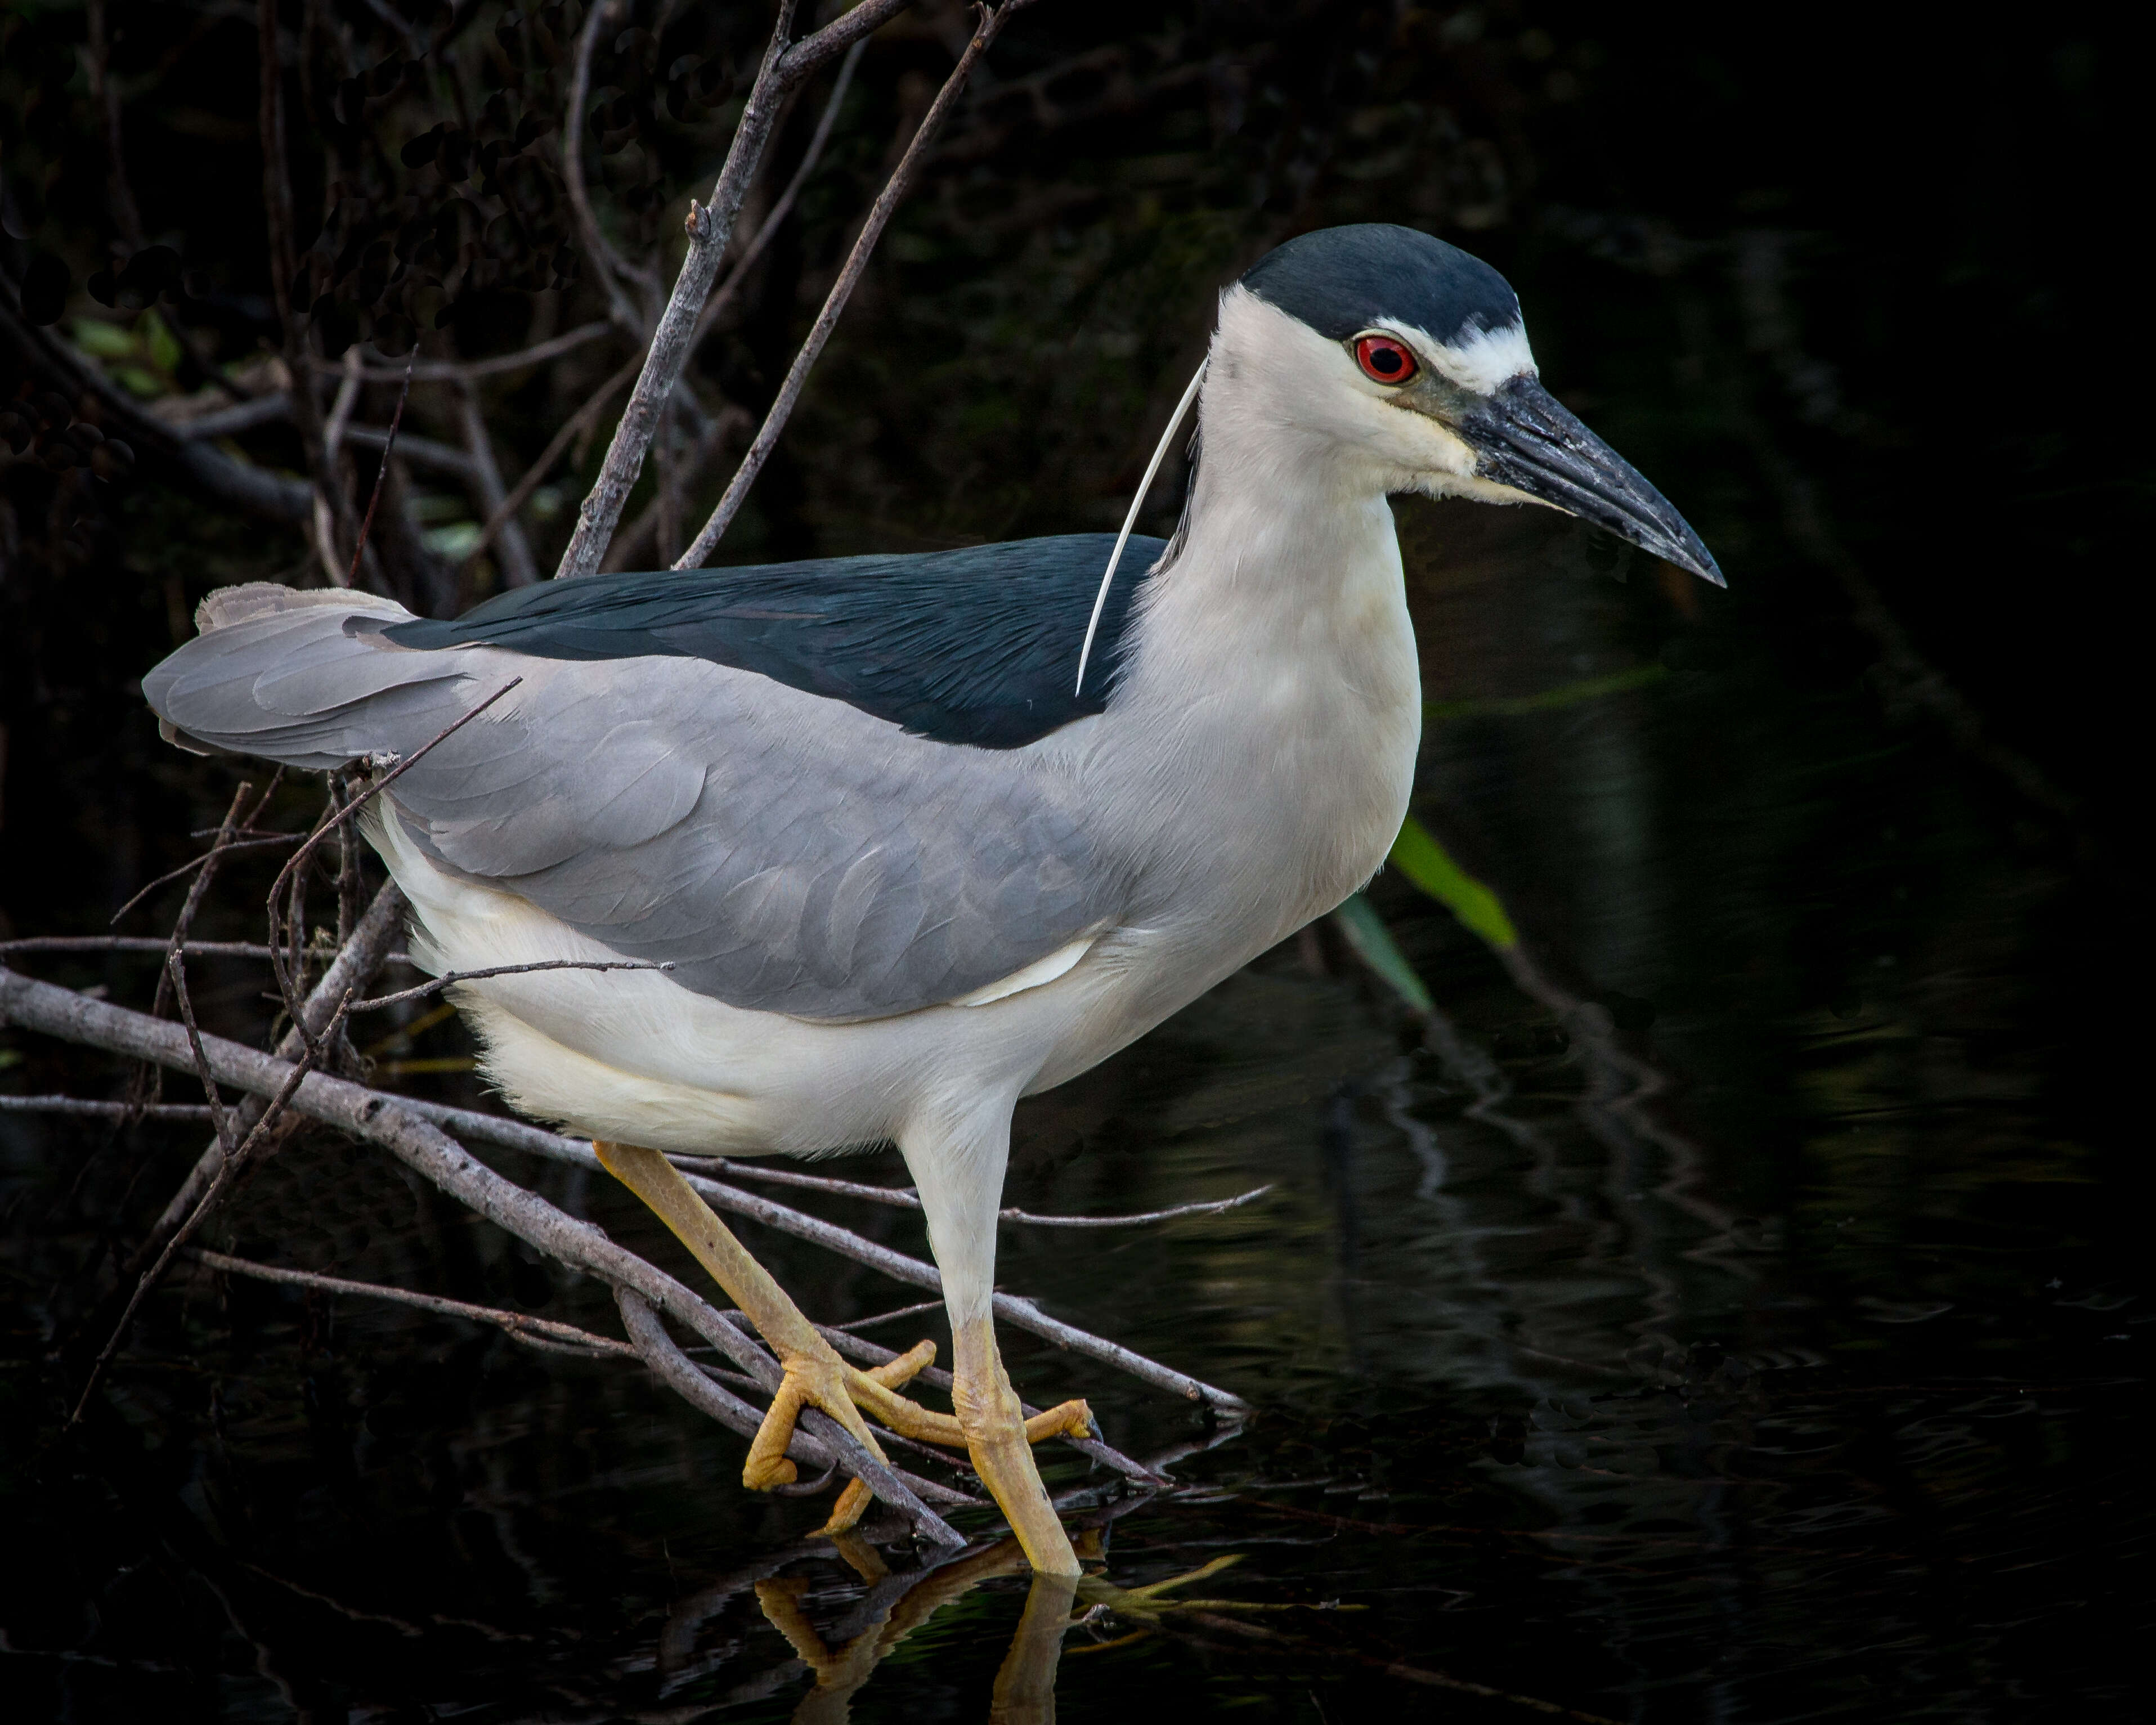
(978, 645)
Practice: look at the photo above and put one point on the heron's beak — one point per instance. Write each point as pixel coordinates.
(1524, 438)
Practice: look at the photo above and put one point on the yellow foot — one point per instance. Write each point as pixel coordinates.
(990, 1424)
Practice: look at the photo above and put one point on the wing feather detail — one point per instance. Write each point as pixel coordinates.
(784, 851)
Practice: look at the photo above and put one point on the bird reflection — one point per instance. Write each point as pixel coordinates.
(1024, 1692)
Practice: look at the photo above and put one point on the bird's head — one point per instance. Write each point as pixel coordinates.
(1407, 358)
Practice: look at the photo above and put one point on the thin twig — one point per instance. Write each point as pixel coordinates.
(104, 1111)
(287, 982)
(885, 1317)
(905, 1197)
(524, 1328)
(235, 821)
(569, 430)
(147, 944)
(438, 370)
(609, 264)
(351, 971)
(328, 491)
(518, 567)
(215, 853)
(450, 978)
(381, 473)
(176, 968)
(775, 218)
(989, 25)
(628, 544)
(235, 1161)
(711, 229)
(1206, 1207)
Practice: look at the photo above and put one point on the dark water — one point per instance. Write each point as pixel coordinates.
(1778, 1354)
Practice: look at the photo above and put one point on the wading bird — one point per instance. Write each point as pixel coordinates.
(921, 836)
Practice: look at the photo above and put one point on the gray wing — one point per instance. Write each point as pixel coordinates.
(784, 852)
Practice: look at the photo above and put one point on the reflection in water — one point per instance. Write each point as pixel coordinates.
(1716, 1308)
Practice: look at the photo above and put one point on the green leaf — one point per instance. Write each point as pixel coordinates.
(454, 540)
(107, 341)
(163, 346)
(1417, 854)
(1365, 930)
(143, 383)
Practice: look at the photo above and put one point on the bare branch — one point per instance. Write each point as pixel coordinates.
(235, 1160)
(58, 1012)
(608, 264)
(103, 1111)
(570, 430)
(518, 566)
(1208, 1207)
(350, 971)
(885, 1318)
(381, 473)
(151, 943)
(215, 854)
(989, 25)
(905, 1197)
(843, 32)
(776, 217)
(629, 544)
(177, 969)
(387, 1120)
(1009, 1308)
(450, 979)
(517, 1323)
(440, 371)
(710, 229)
(330, 509)
(329, 483)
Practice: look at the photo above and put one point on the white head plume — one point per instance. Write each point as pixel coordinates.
(1145, 485)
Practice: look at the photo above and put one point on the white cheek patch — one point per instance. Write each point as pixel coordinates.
(1484, 361)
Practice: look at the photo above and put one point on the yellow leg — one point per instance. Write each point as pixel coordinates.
(817, 1378)
(999, 1440)
(990, 1422)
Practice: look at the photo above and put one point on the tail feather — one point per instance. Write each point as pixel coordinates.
(300, 677)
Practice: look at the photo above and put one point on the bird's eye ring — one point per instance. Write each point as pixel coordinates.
(1383, 360)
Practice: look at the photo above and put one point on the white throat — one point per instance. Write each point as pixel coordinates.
(1273, 659)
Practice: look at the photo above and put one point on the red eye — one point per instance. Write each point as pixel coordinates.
(1383, 360)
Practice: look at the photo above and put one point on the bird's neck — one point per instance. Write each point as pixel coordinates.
(1272, 664)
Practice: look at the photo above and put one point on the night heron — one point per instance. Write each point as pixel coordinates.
(921, 836)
